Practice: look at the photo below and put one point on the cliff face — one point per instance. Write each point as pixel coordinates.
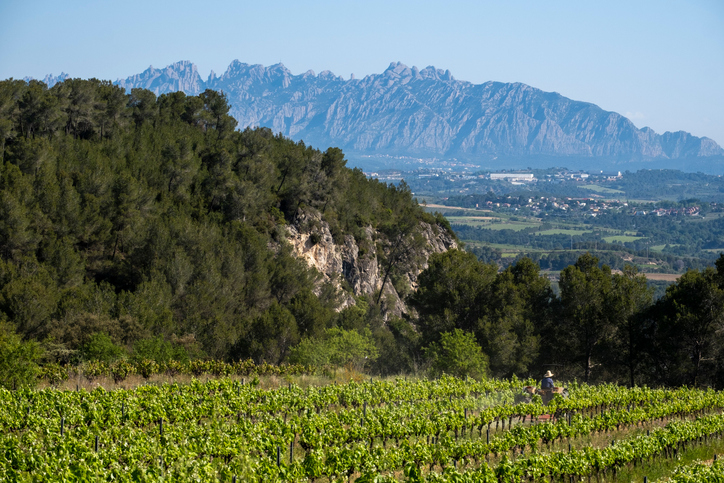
(362, 274)
(424, 112)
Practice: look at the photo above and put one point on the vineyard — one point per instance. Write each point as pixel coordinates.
(446, 430)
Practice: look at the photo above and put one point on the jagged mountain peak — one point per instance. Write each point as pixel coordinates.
(398, 69)
(425, 112)
(50, 80)
(179, 76)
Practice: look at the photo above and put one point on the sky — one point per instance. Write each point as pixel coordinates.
(658, 62)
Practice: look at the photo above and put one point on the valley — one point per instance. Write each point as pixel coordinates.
(662, 221)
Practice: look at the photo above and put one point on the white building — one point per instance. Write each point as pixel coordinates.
(513, 176)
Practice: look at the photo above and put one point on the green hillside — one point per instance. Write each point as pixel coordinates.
(131, 222)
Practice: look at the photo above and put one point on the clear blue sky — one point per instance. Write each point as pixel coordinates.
(660, 62)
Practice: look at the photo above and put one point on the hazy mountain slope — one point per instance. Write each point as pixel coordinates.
(425, 113)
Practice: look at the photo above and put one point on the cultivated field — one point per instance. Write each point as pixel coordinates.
(601, 189)
(665, 277)
(433, 206)
(622, 238)
(446, 430)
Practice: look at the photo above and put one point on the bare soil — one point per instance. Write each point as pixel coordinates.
(667, 277)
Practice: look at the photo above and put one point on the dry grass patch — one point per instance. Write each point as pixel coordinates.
(666, 277)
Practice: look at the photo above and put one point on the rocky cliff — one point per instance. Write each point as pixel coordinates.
(355, 272)
(425, 112)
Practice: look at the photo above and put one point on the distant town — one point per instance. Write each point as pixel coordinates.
(513, 177)
(537, 192)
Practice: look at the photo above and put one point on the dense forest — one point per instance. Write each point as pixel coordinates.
(602, 326)
(132, 224)
(136, 226)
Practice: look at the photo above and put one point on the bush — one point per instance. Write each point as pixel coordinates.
(100, 347)
(458, 354)
(337, 347)
(159, 350)
(18, 366)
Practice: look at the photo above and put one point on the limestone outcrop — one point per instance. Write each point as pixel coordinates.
(357, 272)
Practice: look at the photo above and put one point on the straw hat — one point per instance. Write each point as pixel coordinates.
(548, 374)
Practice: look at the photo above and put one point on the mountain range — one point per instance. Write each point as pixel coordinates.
(410, 115)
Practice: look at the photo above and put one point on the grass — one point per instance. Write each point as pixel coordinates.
(432, 207)
(499, 246)
(490, 223)
(600, 189)
(476, 221)
(513, 225)
(475, 218)
(564, 231)
(660, 248)
(622, 238)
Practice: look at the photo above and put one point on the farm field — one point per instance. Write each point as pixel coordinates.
(556, 242)
(622, 238)
(660, 248)
(666, 277)
(503, 221)
(511, 225)
(601, 189)
(445, 430)
(476, 221)
(564, 231)
(437, 207)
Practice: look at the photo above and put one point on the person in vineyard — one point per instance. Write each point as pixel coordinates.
(547, 382)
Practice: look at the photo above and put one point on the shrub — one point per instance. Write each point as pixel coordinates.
(458, 354)
(100, 347)
(18, 367)
(337, 347)
(159, 350)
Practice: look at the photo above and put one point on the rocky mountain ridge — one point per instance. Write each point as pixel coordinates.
(424, 112)
(406, 111)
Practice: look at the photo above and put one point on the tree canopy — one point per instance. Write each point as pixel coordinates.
(132, 221)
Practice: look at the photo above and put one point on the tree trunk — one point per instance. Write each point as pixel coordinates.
(384, 280)
(284, 177)
(697, 363)
(390, 264)
(588, 366)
